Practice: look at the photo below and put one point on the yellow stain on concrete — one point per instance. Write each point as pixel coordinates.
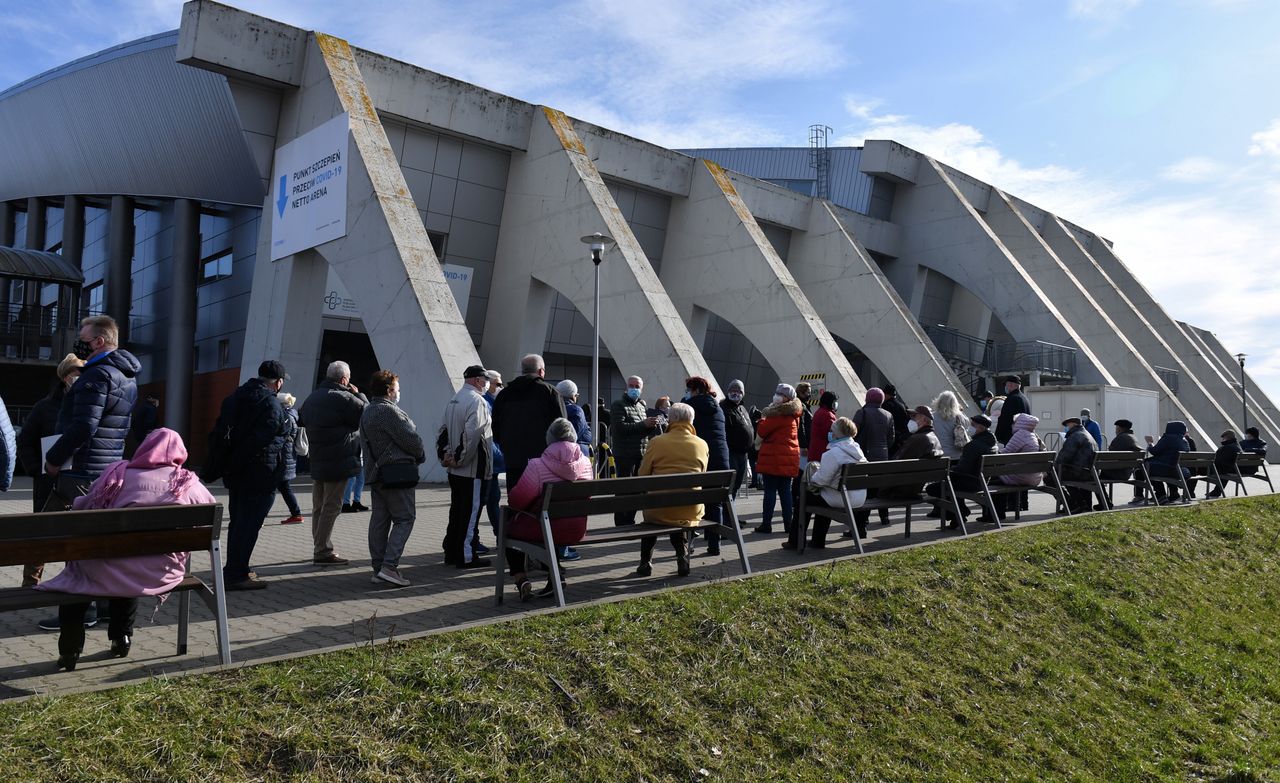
(563, 127)
(721, 177)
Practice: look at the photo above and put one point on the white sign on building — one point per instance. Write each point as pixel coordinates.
(339, 302)
(309, 189)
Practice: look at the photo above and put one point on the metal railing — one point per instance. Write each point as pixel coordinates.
(35, 333)
(955, 344)
(1048, 359)
(1170, 378)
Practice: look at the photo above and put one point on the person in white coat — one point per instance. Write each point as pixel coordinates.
(823, 483)
(464, 445)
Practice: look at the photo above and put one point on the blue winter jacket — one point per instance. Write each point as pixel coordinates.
(257, 421)
(8, 448)
(1171, 444)
(95, 413)
(573, 412)
(1094, 430)
(708, 423)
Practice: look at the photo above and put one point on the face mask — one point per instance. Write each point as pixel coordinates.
(983, 405)
(82, 350)
(735, 396)
(835, 406)
(633, 393)
(1084, 418)
(912, 426)
(687, 395)
(777, 398)
(395, 397)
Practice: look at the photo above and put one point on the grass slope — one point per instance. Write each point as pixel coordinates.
(1133, 646)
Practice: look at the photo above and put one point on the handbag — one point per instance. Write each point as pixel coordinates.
(398, 475)
(301, 443)
(67, 486)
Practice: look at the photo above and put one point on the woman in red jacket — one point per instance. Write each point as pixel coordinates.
(779, 460)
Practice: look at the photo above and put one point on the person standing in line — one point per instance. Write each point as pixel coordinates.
(353, 493)
(493, 503)
(388, 436)
(331, 415)
(1015, 402)
(146, 417)
(630, 431)
(521, 415)
(8, 448)
(287, 402)
(94, 419)
(252, 425)
(738, 432)
(1091, 426)
(466, 434)
(898, 410)
(875, 435)
(804, 393)
(574, 413)
(709, 424)
(779, 458)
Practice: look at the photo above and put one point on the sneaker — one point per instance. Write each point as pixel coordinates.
(480, 549)
(330, 559)
(248, 583)
(392, 575)
(55, 624)
(763, 530)
(547, 590)
(346, 508)
(569, 554)
(525, 588)
(296, 519)
(1138, 502)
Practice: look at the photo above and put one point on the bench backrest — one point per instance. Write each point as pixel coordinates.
(113, 532)
(1196, 459)
(892, 473)
(1250, 460)
(1113, 460)
(637, 493)
(1020, 464)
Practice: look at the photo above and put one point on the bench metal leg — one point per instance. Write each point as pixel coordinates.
(907, 532)
(184, 619)
(802, 522)
(501, 558)
(553, 559)
(220, 603)
(991, 503)
(955, 504)
(848, 509)
(735, 531)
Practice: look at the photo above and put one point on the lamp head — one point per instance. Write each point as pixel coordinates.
(599, 243)
(1240, 358)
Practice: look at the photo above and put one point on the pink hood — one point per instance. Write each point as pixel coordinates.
(561, 461)
(162, 449)
(1025, 421)
(564, 459)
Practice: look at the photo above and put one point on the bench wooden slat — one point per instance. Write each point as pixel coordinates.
(18, 598)
(632, 532)
(637, 485)
(609, 505)
(1019, 464)
(145, 542)
(109, 520)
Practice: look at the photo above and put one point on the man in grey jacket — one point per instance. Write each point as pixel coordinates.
(331, 415)
(465, 442)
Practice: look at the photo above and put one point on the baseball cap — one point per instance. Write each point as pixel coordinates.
(272, 370)
(475, 371)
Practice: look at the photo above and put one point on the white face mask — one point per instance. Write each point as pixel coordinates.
(395, 397)
(912, 426)
(835, 406)
(777, 398)
(735, 396)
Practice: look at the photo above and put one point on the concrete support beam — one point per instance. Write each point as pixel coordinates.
(717, 258)
(73, 230)
(554, 196)
(119, 277)
(286, 308)
(1262, 411)
(182, 317)
(858, 303)
(1079, 302)
(1191, 363)
(942, 230)
(36, 213)
(1132, 323)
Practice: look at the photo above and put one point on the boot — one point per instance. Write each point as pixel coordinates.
(646, 556)
(682, 554)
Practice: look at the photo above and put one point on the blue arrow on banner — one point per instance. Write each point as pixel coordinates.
(282, 198)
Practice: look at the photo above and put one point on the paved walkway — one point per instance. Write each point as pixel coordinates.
(309, 608)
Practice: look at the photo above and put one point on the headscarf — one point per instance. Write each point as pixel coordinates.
(162, 448)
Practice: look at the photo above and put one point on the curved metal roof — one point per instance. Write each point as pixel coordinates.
(129, 120)
(38, 265)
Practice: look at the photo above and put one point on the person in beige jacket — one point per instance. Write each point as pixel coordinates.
(679, 450)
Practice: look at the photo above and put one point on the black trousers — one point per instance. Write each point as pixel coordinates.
(821, 524)
(649, 542)
(71, 619)
(467, 497)
(626, 467)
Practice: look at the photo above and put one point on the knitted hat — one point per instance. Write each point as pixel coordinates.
(875, 396)
(567, 388)
(786, 390)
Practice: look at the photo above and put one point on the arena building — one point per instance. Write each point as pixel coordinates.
(241, 189)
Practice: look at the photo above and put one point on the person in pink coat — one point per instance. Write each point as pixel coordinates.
(1024, 439)
(562, 460)
(154, 477)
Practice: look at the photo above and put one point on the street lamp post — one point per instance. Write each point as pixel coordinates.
(599, 243)
(1244, 405)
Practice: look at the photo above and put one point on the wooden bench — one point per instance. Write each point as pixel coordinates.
(878, 475)
(118, 532)
(1204, 468)
(607, 496)
(1179, 479)
(1019, 464)
(1135, 462)
(1248, 460)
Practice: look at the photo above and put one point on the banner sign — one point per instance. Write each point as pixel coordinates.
(339, 302)
(309, 189)
(817, 385)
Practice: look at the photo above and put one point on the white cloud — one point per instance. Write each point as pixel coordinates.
(1205, 257)
(1102, 10)
(1193, 170)
(1266, 142)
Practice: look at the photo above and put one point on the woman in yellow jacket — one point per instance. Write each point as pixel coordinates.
(680, 450)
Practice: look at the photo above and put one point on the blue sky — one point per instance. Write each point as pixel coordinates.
(1155, 123)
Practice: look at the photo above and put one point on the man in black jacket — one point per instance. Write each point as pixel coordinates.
(966, 473)
(898, 410)
(521, 415)
(331, 415)
(1073, 461)
(1123, 441)
(738, 431)
(253, 423)
(1015, 402)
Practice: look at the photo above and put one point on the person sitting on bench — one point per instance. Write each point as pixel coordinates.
(1252, 444)
(966, 475)
(823, 484)
(154, 477)
(1224, 461)
(1163, 462)
(562, 460)
(679, 450)
(1023, 440)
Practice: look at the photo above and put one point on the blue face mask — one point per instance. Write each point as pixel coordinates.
(831, 437)
(633, 393)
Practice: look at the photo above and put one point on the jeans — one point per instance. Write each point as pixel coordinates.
(355, 487)
(247, 510)
(738, 462)
(493, 505)
(390, 524)
(777, 487)
(290, 500)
